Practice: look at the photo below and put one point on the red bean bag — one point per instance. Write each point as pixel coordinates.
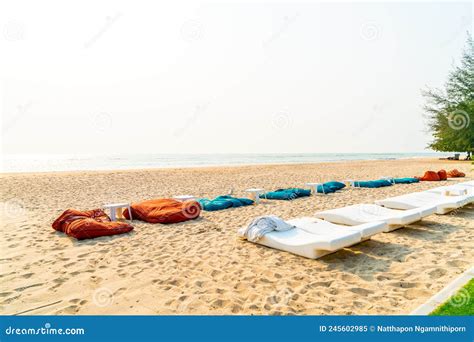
(429, 176)
(164, 210)
(442, 175)
(88, 224)
(455, 174)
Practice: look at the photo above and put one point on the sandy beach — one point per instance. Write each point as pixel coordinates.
(201, 266)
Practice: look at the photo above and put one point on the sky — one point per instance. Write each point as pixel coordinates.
(235, 77)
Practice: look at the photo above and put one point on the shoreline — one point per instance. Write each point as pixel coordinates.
(214, 166)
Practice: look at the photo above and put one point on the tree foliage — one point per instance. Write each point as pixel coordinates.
(450, 110)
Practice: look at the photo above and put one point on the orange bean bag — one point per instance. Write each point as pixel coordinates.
(455, 174)
(429, 176)
(442, 175)
(88, 224)
(164, 210)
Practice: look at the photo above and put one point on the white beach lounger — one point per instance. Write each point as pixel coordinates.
(364, 213)
(456, 190)
(443, 204)
(469, 183)
(313, 238)
(315, 226)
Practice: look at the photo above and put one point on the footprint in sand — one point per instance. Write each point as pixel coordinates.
(437, 273)
(219, 303)
(415, 293)
(23, 288)
(27, 275)
(361, 291)
(120, 291)
(71, 309)
(403, 284)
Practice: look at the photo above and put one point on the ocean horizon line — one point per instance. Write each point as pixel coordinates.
(100, 162)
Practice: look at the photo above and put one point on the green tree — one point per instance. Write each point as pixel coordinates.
(450, 111)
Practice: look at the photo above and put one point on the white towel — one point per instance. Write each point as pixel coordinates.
(263, 225)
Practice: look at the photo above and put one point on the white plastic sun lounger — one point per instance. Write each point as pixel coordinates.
(315, 226)
(458, 190)
(364, 213)
(469, 183)
(443, 204)
(316, 239)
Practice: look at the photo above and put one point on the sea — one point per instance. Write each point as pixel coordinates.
(49, 163)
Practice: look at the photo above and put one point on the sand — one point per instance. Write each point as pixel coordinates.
(201, 266)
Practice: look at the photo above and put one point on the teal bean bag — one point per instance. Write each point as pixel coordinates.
(286, 194)
(372, 184)
(223, 202)
(333, 185)
(407, 180)
(330, 187)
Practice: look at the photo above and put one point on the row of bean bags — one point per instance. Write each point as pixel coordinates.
(164, 210)
(89, 224)
(95, 223)
(286, 194)
(441, 175)
(223, 202)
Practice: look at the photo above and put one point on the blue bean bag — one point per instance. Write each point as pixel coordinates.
(372, 184)
(330, 187)
(407, 180)
(335, 185)
(286, 194)
(223, 202)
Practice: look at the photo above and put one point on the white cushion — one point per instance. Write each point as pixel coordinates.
(309, 245)
(465, 192)
(442, 203)
(315, 226)
(364, 213)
